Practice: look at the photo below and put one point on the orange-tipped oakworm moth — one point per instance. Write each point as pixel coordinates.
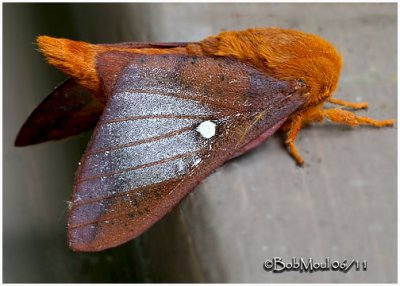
(166, 115)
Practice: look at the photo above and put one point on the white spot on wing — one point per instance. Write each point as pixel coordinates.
(207, 129)
(197, 161)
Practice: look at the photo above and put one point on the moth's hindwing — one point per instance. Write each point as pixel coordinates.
(69, 110)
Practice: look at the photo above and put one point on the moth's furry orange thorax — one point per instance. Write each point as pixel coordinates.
(284, 54)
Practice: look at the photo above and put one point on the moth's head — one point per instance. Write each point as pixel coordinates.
(288, 55)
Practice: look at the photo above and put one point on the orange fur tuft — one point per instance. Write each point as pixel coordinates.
(76, 59)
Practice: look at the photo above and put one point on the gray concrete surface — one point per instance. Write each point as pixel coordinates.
(341, 205)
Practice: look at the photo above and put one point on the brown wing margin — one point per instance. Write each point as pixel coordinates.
(148, 151)
(142, 45)
(69, 110)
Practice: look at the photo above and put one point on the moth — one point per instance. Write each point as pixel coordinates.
(165, 115)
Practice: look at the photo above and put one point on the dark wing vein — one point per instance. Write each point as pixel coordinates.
(200, 98)
(161, 116)
(135, 168)
(143, 141)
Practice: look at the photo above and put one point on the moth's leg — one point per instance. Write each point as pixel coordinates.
(350, 119)
(358, 105)
(318, 114)
(295, 123)
(292, 132)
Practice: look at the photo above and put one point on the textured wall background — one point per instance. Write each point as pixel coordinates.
(342, 204)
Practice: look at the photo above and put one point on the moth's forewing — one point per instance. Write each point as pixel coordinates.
(170, 121)
(69, 110)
